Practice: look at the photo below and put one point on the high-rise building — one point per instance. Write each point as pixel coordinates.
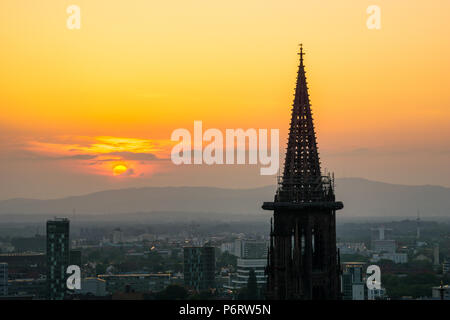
(75, 257)
(446, 267)
(58, 256)
(354, 283)
(251, 249)
(418, 226)
(436, 254)
(199, 268)
(117, 236)
(381, 233)
(252, 255)
(303, 259)
(353, 286)
(243, 272)
(3, 279)
(381, 240)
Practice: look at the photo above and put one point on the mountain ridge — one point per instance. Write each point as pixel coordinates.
(361, 197)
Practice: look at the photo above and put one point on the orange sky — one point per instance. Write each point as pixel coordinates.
(137, 70)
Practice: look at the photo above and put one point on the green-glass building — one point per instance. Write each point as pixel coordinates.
(58, 256)
(199, 268)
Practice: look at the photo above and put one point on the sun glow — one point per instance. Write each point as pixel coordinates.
(104, 155)
(119, 170)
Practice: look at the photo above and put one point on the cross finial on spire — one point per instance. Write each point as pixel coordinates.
(301, 53)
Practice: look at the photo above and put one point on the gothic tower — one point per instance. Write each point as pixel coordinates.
(303, 262)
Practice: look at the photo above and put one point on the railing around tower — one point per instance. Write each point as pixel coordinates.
(301, 190)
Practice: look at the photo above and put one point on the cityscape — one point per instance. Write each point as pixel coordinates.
(173, 153)
(197, 260)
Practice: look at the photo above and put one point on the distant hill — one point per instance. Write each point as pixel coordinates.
(365, 198)
(171, 199)
(362, 198)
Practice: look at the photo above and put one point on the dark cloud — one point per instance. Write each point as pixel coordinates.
(352, 152)
(136, 156)
(30, 155)
(385, 152)
(78, 157)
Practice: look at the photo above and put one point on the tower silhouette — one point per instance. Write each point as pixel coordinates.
(303, 262)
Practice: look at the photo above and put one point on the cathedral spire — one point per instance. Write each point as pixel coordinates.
(302, 175)
(303, 260)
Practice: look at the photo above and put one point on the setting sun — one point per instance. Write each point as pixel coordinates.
(119, 169)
